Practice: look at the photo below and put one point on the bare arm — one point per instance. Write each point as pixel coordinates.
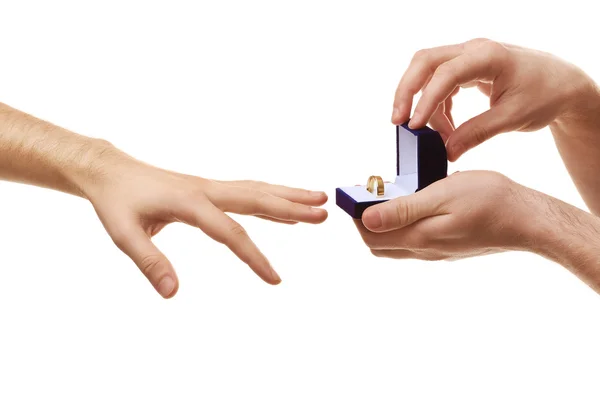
(36, 152)
(475, 213)
(481, 212)
(570, 237)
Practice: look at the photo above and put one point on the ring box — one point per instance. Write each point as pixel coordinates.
(421, 160)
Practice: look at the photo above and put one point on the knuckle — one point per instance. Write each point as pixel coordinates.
(254, 202)
(208, 186)
(291, 211)
(402, 214)
(446, 71)
(202, 182)
(477, 42)
(198, 195)
(491, 45)
(261, 195)
(489, 49)
(260, 199)
(479, 134)
(235, 230)
(421, 55)
(424, 59)
(493, 49)
(150, 263)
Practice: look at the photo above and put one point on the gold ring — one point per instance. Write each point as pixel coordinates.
(375, 181)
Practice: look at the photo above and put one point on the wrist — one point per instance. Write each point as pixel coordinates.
(531, 228)
(91, 171)
(570, 237)
(582, 106)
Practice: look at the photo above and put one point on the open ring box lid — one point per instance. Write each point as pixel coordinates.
(421, 159)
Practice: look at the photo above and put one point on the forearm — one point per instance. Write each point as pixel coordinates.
(38, 153)
(568, 236)
(577, 137)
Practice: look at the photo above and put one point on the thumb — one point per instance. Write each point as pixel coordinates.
(403, 211)
(498, 119)
(485, 88)
(136, 244)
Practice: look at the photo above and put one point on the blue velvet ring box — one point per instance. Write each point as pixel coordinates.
(421, 159)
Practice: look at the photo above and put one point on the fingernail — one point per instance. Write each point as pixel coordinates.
(395, 114)
(166, 286)
(317, 194)
(372, 219)
(275, 276)
(316, 210)
(457, 150)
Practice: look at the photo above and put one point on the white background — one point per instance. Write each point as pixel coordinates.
(292, 93)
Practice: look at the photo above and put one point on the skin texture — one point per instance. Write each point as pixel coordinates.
(481, 212)
(528, 90)
(38, 153)
(476, 213)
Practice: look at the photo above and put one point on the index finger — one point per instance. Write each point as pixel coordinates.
(420, 70)
(222, 228)
(468, 67)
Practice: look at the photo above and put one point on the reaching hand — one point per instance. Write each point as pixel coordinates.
(135, 201)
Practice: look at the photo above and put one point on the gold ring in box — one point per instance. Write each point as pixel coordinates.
(375, 182)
